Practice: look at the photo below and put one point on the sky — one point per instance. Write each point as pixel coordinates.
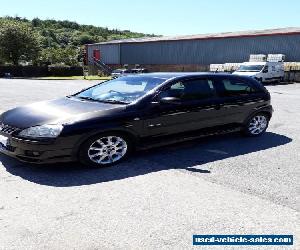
(163, 17)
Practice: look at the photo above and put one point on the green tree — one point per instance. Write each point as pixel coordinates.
(36, 22)
(22, 39)
(18, 40)
(85, 39)
(67, 56)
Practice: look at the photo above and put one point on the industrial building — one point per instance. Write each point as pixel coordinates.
(195, 52)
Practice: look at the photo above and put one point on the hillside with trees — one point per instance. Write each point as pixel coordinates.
(45, 42)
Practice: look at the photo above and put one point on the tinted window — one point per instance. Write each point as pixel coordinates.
(230, 87)
(190, 90)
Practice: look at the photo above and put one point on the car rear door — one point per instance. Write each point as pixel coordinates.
(237, 98)
(195, 110)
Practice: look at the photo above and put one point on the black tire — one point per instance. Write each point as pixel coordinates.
(249, 128)
(84, 150)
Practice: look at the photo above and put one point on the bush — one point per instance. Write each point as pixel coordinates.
(64, 70)
(24, 71)
(39, 71)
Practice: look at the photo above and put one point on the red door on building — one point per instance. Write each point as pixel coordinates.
(96, 54)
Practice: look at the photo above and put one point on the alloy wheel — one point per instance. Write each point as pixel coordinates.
(258, 124)
(107, 150)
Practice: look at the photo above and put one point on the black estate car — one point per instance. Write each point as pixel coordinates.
(101, 125)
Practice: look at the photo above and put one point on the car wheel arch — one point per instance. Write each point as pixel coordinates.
(266, 112)
(132, 137)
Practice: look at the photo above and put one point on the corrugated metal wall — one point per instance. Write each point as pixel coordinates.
(210, 51)
(110, 53)
(223, 50)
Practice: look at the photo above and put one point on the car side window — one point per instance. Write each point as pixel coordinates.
(231, 87)
(190, 90)
(175, 90)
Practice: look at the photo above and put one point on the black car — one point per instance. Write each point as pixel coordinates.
(101, 125)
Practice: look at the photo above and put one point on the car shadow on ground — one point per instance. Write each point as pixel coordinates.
(190, 156)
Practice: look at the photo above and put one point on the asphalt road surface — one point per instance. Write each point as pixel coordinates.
(159, 198)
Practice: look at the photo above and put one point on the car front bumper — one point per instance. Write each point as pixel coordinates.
(40, 152)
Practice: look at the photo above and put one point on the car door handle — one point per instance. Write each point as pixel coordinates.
(218, 106)
(154, 125)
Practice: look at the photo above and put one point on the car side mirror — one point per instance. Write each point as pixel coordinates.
(170, 100)
(265, 71)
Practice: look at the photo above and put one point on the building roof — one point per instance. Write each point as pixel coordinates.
(266, 32)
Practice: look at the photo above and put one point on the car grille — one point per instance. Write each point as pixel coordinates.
(6, 129)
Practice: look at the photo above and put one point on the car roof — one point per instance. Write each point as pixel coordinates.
(171, 75)
(166, 76)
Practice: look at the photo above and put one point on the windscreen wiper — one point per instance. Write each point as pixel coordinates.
(100, 100)
(115, 101)
(105, 100)
(87, 98)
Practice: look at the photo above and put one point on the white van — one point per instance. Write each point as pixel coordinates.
(263, 71)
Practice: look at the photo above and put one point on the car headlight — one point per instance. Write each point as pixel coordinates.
(43, 131)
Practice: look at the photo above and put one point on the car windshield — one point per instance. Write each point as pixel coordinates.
(254, 68)
(121, 90)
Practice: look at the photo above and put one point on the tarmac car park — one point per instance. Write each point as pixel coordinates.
(158, 198)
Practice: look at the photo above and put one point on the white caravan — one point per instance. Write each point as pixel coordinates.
(265, 71)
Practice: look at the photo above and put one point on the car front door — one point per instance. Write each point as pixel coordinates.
(194, 109)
